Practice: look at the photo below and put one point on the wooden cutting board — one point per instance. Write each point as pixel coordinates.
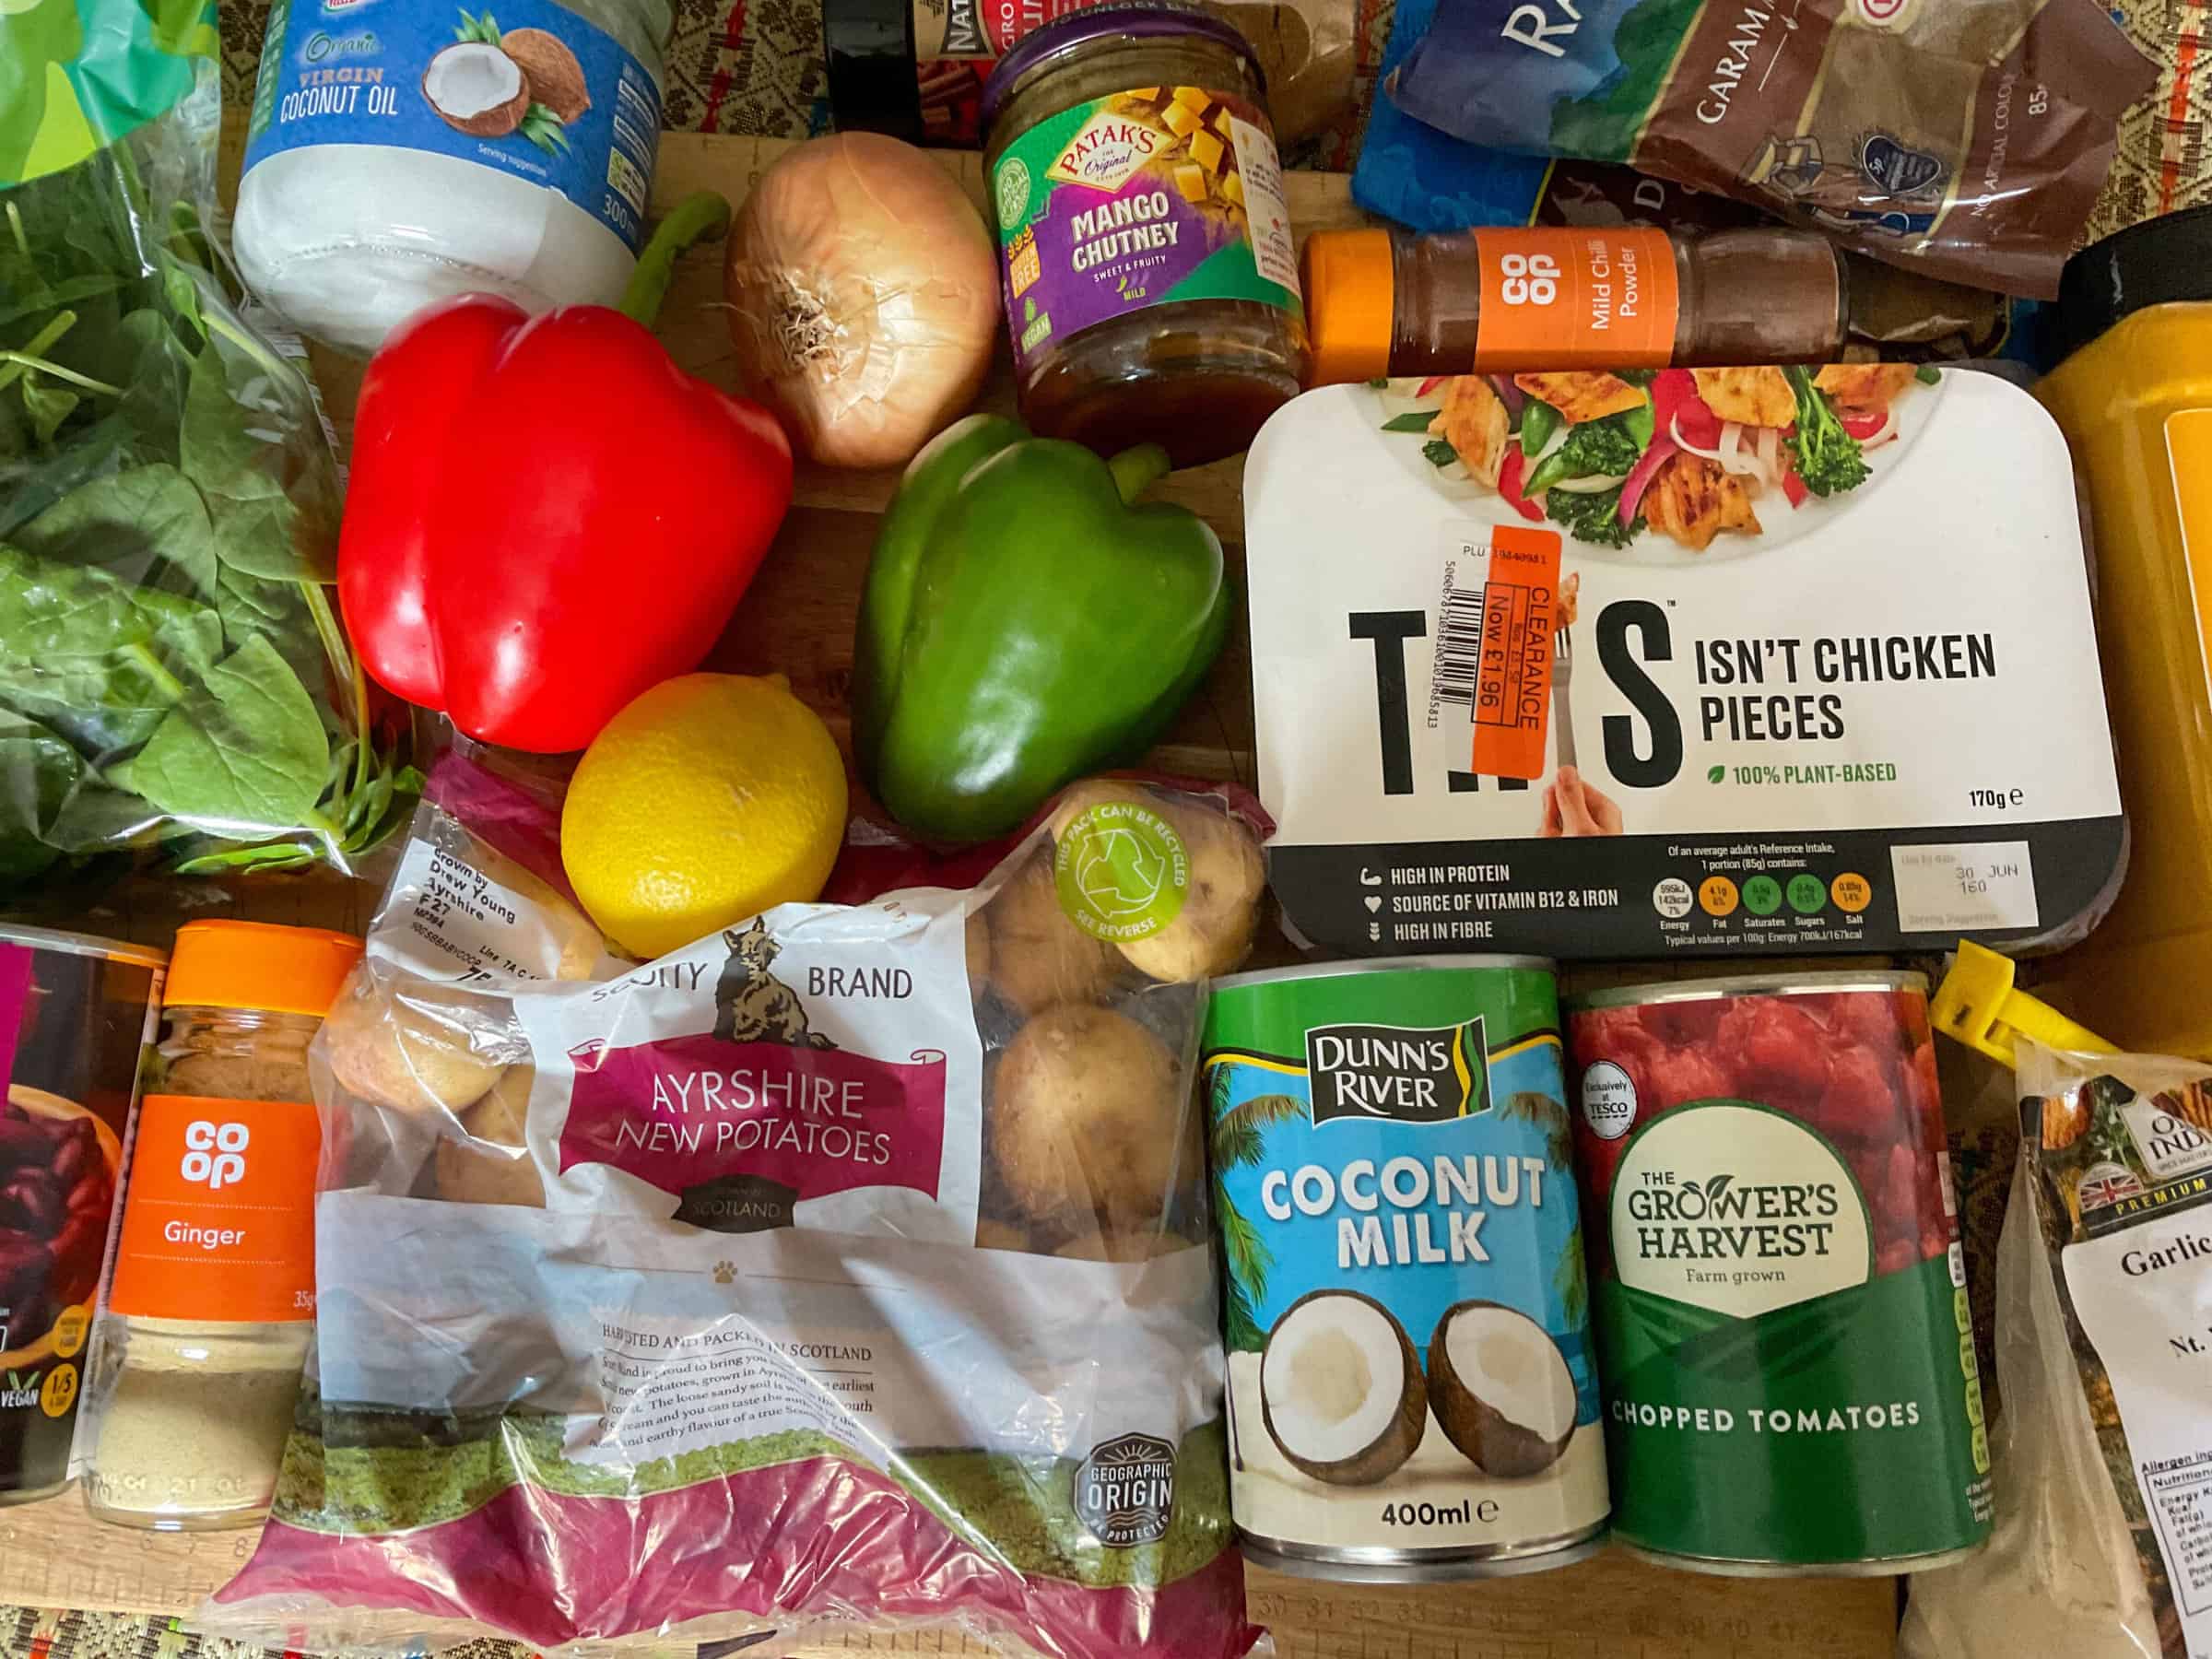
(797, 620)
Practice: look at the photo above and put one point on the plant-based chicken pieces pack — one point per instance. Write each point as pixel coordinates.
(1645, 664)
(849, 1261)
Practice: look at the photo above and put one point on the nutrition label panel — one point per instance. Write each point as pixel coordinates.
(2180, 1508)
(1588, 890)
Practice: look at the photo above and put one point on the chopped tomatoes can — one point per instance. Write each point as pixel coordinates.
(1784, 1339)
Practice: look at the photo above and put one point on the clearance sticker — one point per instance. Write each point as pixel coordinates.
(219, 1221)
(1511, 705)
(1589, 297)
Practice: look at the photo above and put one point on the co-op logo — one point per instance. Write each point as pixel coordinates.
(1413, 1076)
(215, 1153)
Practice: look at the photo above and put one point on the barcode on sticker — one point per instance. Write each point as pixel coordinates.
(1458, 645)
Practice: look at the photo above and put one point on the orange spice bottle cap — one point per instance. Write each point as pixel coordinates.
(1351, 298)
(259, 965)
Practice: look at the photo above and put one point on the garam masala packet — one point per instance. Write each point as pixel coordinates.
(1967, 139)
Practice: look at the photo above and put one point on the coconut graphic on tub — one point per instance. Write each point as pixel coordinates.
(495, 84)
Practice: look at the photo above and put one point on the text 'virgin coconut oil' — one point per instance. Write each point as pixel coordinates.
(414, 149)
(1411, 1383)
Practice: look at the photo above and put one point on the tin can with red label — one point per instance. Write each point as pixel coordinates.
(1784, 1345)
(76, 1016)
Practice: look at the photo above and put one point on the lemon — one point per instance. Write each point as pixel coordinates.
(707, 799)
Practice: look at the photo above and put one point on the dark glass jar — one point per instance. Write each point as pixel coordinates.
(1150, 279)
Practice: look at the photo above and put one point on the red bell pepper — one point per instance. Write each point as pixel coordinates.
(545, 515)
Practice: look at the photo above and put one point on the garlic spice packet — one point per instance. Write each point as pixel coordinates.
(2104, 1353)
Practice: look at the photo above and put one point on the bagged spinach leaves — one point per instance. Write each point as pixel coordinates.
(173, 677)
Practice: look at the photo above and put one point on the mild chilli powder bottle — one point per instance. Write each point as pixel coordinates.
(1384, 302)
(209, 1312)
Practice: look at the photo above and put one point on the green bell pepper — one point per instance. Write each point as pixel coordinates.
(1025, 623)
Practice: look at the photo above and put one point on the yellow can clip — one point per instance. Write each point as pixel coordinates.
(1976, 1005)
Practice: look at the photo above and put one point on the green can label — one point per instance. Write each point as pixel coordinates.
(1140, 198)
(1782, 1314)
(1410, 1366)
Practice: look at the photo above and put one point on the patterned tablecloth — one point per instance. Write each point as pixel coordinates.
(46, 1634)
(755, 67)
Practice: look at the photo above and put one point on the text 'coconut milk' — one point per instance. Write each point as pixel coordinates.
(1411, 1380)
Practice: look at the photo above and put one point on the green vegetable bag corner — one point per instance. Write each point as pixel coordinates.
(172, 669)
(68, 89)
(1026, 621)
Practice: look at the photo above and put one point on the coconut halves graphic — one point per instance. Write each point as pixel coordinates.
(476, 89)
(1341, 1390)
(555, 77)
(1501, 1389)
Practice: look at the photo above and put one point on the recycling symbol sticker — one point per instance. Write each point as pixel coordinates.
(1122, 871)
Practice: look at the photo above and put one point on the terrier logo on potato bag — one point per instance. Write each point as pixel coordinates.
(751, 1005)
(1406, 1074)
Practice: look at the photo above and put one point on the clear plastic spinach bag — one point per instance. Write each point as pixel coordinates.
(173, 677)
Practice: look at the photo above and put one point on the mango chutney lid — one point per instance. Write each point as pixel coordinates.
(1109, 20)
(2161, 262)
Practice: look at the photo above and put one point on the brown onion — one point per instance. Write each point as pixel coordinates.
(864, 298)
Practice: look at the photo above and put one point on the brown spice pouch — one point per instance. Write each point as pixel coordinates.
(1907, 313)
(1307, 49)
(1952, 163)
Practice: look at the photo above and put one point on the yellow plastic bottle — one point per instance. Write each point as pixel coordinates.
(2134, 395)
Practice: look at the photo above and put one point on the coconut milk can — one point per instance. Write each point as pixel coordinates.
(1411, 1383)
